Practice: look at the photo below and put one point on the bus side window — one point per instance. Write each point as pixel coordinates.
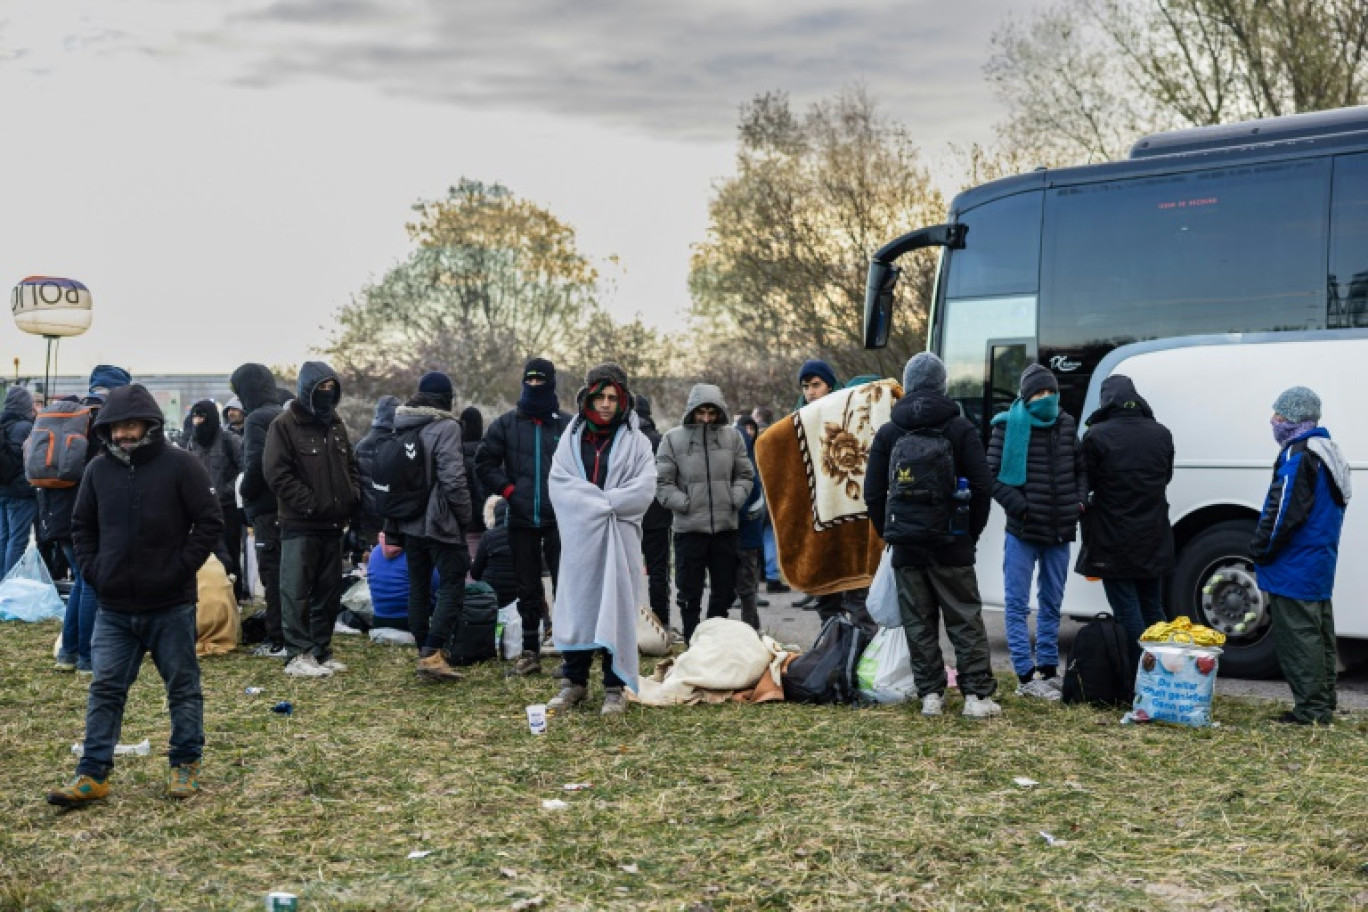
(1347, 307)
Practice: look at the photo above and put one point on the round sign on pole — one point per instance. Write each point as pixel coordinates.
(51, 306)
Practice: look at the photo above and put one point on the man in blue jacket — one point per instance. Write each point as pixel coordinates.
(1296, 546)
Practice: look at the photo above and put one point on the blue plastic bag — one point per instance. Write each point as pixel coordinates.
(27, 592)
(1174, 683)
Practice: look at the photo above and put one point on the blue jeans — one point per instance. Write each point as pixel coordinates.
(1019, 561)
(16, 523)
(1136, 603)
(771, 555)
(120, 642)
(79, 624)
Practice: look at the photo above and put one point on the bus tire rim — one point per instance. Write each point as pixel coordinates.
(1230, 595)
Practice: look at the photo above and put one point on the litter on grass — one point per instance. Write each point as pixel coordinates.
(1024, 782)
(1052, 840)
(141, 749)
(577, 786)
(420, 853)
(553, 804)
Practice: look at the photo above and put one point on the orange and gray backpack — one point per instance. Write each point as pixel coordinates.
(56, 449)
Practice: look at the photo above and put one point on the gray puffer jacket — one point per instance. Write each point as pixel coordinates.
(448, 509)
(703, 472)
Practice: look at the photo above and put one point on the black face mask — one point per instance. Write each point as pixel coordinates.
(323, 403)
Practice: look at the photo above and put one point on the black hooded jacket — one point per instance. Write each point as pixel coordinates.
(930, 409)
(1046, 508)
(256, 387)
(514, 461)
(472, 430)
(219, 450)
(309, 462)
(1127, 457)
(142, 528)
(657, 517)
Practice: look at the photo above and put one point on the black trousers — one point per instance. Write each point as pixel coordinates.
(232, 543)
(696, 554)
(266, 531)
(530, 547)
(432, 628)
(577, 663)
(655, 549)
(310, 590)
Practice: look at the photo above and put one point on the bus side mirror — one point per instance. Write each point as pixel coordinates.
(878, 313)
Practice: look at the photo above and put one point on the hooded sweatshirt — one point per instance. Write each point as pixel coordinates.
(448, 506)
(16, 421)
(308, 461)
(218, 450)
(146, 519)
(255, 386)
(703, 472)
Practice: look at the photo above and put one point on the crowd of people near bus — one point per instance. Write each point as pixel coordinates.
(593, 495)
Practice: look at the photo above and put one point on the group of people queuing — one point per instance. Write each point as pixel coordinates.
(590, 496)
(1112, 485)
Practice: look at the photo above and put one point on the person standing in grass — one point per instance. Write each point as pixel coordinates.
(513, 461)
(1296, 547)
(1033, 455)
(704, 476)
(937, 580)
(310, 466)
(1127, 457)
(602, 481)
(146, 519)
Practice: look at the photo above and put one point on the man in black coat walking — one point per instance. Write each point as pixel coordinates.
(938, 580)
(146, 519)
(1127, 457)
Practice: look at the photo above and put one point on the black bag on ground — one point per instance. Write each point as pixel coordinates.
(921, 489)
(253, 629)
(826, 672)
(399, 478)
(1101, 668)
(473, 640)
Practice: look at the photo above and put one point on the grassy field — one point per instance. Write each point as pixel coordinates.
(710, 807)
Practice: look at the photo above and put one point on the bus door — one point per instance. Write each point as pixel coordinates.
(1007, 358)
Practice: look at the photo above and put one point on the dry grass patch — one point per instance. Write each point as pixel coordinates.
(712, 807)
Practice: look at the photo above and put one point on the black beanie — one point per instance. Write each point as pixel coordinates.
(540, 367)
(1035, 378)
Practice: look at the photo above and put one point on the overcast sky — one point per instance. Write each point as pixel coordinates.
(224, 174)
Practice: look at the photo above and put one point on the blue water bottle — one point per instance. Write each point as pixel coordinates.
(959, 514)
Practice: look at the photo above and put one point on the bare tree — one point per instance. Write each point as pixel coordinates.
(1084, 78)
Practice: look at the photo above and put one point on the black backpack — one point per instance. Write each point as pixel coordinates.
(1102, 662)
(399, 479)
(11, 460)
(921, 490)
(474, 639)
(826, 672)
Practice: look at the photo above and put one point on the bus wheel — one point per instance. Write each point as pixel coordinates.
(1214, 584)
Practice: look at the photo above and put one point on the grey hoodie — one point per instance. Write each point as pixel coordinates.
(703, 473)
(448, 510)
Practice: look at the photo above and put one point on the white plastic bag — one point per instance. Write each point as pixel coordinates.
(884, 672)
(510, 626)
(882, 602)
(27, 593)
(358, 599)
(652, 639)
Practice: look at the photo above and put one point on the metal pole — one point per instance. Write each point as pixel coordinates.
(47, 371)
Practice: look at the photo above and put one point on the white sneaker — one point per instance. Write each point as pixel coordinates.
(1057, 682)
(306, 666)
(932, 704)
(389, 636)
(980, 707)
(1039, 689)
(345, 629)
(333, 665)
(267, 651)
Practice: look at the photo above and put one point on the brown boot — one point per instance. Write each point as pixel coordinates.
(435, 666)
(525, 665)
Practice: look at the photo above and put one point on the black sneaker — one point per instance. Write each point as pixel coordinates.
(776, 587)
(1290, 718)
(807, 601)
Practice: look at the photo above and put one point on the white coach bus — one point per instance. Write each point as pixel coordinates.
(1215, 266)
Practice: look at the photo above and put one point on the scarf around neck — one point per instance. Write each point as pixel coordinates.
(1016, 441)
(539, 401)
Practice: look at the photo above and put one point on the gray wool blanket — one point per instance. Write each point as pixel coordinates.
(601, 581)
